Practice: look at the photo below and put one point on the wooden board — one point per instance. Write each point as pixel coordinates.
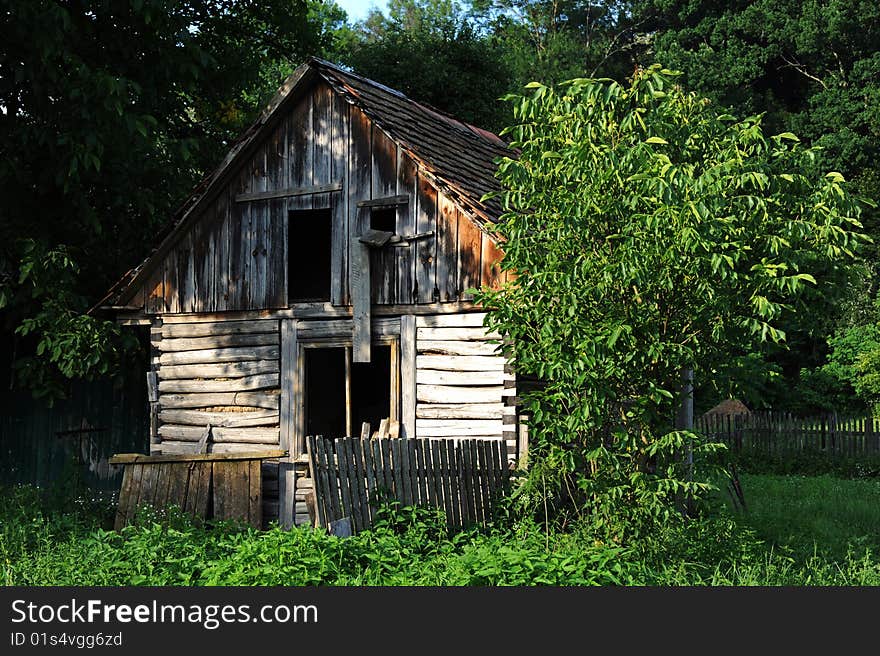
(426, 249)
(460, 378)
(461, 363)
(457, 347)
(452, 394)
(460, 410)
(490, 263)
(220, 385)
(220, 419)
(241, 399)
(212, 356)
(220, 370)
(217, 341)
(207, 329)
(458, 427)
(219, 434)
(408, 375)
(447, 251)
(447, 334)
(469, 256)
(177, 447)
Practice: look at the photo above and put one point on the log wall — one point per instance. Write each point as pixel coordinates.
(464, 387)
(222, 374)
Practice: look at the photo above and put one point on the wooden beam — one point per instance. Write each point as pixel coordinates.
(212, 400)
(448, 394)
(242, 435)
(287, 193)
(215, 356)
(246, 383)
(408, 375)
(387, 201)
(216, 342)
(321, 311)
(219, 370)
(360, 291)
(137, 458)
(220, 419)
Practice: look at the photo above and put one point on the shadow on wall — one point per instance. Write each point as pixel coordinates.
(41, 444)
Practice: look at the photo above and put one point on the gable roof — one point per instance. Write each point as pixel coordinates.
(458, 157)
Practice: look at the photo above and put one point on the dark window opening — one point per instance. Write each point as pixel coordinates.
(325, 391)
(371, 389)
(331, 378)
(308, 255)
(384, 218)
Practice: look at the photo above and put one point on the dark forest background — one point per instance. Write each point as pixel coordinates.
(111, 112)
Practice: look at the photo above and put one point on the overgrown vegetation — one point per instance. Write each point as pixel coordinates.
(649, 233)
(47, 541)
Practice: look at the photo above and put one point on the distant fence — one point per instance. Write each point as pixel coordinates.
(39, 443)
(779, 433)
(462, 477)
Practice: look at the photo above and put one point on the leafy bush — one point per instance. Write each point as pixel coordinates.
(646, 232)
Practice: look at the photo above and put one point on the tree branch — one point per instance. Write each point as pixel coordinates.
(800, 68)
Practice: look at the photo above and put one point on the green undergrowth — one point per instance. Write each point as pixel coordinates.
(772, 544)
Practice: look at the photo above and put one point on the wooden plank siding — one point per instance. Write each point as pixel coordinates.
(461, 381)
(219, 374)
(324, 153)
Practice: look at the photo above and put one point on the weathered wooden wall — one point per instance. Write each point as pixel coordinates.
(464, 387)
(43, 444)
(224, 374)
(235, 256)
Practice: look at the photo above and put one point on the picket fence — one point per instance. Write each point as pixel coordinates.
(781, 433)
(464, 478)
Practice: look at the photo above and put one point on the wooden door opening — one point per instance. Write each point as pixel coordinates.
(371, 389)
(340, 395)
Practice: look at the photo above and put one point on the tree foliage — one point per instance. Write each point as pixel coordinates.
(648, 233)
(433, 52)
(111, 113)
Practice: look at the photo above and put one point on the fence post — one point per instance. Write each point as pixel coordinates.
(833, 433)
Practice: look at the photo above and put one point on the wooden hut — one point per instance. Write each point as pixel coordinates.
(319, 278)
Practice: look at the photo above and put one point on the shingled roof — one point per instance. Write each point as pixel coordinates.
(459, 157)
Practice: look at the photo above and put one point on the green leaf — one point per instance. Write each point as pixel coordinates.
(656, 140)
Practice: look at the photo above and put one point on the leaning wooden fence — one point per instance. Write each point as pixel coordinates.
(779, 433)
(462, 477)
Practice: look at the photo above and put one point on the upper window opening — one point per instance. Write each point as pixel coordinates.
(308, 255)
(384, 218)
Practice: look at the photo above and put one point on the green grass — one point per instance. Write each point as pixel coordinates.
(798, 531)
(808, 515)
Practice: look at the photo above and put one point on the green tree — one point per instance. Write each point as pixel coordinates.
(432, 51)
(111, 113)
(811, 67)
(647, 233)
(556, 40)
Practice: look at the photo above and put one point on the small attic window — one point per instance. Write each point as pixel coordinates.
(384, 218)
(308, 255)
